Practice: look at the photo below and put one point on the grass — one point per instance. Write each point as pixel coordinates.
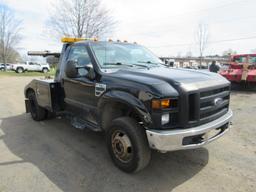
(26, 74)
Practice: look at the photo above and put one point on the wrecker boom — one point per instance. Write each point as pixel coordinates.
(43, 53)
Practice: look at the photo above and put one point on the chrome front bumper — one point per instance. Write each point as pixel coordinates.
(172, 140)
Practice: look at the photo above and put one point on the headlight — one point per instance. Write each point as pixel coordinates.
(165, 118)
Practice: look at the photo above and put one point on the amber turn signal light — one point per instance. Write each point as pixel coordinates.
(160, 104)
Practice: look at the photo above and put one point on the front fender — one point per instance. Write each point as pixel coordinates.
(129, 100)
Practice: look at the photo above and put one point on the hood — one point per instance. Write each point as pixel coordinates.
(188, 79)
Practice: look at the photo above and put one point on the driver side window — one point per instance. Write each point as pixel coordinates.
(80, 55)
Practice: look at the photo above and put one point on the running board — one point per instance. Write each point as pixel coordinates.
(82, 124)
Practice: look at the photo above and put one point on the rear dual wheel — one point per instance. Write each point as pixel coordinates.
(38, 113)
(128, 145)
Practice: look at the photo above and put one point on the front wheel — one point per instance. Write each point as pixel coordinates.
(128, 145)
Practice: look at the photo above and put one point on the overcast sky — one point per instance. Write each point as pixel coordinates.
(167, 27)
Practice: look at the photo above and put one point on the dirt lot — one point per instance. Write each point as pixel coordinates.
(53, 156)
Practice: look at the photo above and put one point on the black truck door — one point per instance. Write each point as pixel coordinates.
(80, 91)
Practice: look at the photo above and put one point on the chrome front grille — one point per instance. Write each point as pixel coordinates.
(207, 105)
(214, 103)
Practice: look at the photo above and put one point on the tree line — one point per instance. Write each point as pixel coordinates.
(75, 18)
(10, 35)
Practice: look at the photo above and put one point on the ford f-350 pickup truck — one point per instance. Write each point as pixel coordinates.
(140, 104)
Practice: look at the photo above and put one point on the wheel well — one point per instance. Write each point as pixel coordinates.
(28, 91)
(20, 68)
(113, 110)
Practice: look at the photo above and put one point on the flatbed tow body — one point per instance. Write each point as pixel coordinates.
(48, 94)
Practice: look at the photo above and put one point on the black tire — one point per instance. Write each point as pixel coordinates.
(19, 70)
(138, 154)
(37, 113)
(45, 70)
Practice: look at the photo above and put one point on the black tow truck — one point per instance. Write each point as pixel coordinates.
(139, 103)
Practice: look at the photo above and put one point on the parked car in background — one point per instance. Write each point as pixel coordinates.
(5, 67)
(202, 67)
(224, 66)
(191, 67)
(30, 66)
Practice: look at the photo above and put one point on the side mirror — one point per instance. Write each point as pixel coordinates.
(91, 74)
(71, 69)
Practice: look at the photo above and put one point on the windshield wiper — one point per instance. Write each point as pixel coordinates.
(118, 63)
(149, 62)
(125, 64)
(140, 65)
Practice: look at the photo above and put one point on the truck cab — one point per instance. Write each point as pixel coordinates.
(125, 91)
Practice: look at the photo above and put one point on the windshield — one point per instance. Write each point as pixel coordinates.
(123, 55)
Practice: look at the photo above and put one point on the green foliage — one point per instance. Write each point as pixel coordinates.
(27, 74)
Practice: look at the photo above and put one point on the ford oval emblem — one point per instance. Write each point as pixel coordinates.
(217, 101)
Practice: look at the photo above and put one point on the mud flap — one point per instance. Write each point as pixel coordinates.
(27, 105)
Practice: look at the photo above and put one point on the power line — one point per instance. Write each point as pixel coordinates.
(229, 3)
(238, 39)
(211, 23)
(211, 42)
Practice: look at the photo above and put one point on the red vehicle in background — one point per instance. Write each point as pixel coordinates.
(242, 68)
